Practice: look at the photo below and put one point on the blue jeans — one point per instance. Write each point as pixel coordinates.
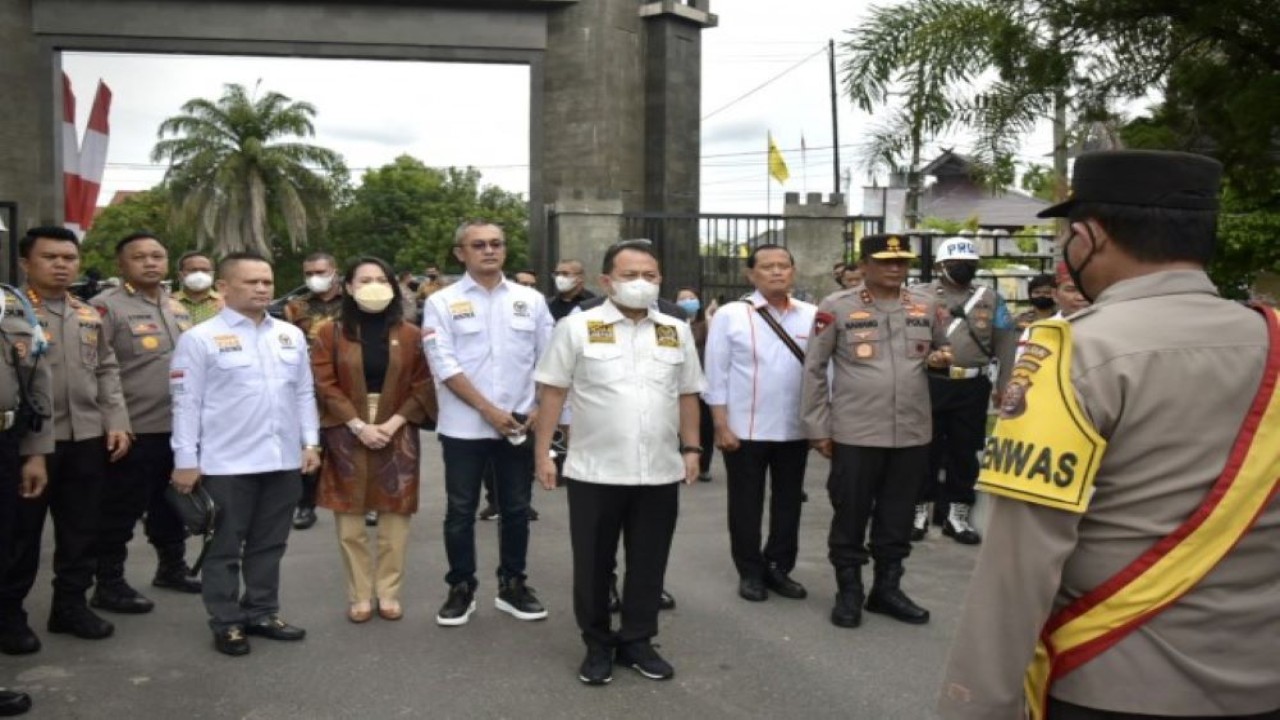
(464, 466)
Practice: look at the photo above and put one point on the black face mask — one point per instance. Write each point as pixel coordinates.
(961, 273)
(1077, 272)
(1040, 302)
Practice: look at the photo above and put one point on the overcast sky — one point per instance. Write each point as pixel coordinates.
(765, 70)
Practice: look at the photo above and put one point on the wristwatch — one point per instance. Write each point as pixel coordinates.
(317, 448)
(685, 449)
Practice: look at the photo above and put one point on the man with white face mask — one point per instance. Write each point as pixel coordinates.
(195, 276)
(324, 302)
(570, 290)
(635, 379)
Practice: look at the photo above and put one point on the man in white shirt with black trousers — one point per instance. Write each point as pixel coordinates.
(755, 368)
(245, 426)
(635, 380)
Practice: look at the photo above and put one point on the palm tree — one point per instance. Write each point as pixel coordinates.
(236, 170)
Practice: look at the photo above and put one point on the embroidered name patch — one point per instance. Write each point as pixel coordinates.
(600, 333)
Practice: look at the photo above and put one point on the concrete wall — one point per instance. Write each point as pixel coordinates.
(584, 230)
(815, 237)
(26, 125)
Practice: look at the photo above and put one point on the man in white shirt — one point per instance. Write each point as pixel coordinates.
(635, 381)
(483, 335)
(245, 426)
(755, 368)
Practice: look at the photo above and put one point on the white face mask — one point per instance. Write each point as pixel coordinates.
(638, 294)
(565, 283)
(198, 281)
(374, 297)
(320, 284)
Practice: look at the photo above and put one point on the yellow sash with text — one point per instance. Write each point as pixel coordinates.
(1159, 577)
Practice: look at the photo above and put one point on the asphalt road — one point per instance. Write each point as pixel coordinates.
(733, 659)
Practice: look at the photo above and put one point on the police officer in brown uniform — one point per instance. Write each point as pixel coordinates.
(979, 328)
(308, 312)
(142, 322)
(91, 428)
(26, 435)
(1133, 550)
(872, 421)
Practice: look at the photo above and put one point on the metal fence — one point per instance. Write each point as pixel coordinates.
(725, 240)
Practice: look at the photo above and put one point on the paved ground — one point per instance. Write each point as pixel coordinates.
(733, 659)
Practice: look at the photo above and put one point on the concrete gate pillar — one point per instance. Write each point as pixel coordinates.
(26, 114)
(815, 237)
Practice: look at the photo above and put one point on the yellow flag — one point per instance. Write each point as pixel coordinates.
(777, 166)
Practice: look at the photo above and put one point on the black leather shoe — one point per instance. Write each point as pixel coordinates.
(304, 518)
(231, 641)
(18, 639)
(176, 577)
(750, 588)
(666, 601)
(276, 628)
(13, 703)
(80, 621)
(780, 582)
(120, 598)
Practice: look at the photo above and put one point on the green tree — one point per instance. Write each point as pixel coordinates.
(237, 170)
(406, 213)
(149, 211)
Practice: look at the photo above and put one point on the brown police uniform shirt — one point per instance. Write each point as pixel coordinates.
(878, 395)
(143, 334)
(87, 398)
(17, 349)
(989, 321)
(309, 311)
(1165, 371)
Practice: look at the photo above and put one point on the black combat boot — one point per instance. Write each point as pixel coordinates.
(113, 593)
(848, 609)
(172, 573)
(887, 596)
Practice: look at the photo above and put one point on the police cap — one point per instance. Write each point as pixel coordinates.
(885, 247)
(1147, 178)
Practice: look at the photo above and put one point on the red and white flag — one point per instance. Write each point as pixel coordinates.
(83, 165)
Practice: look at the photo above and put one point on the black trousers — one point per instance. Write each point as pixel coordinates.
(645, 516)
(750, 468)
(77, 471)
(310, 484)
(1061, 710)
(959, 428)
(706, 437)
(135, 484)
(876, 486)
(254, 519)
(10, 484)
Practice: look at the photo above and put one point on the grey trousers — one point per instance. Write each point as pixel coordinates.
(255, 513)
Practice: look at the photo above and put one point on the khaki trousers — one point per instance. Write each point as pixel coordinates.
(364, 575)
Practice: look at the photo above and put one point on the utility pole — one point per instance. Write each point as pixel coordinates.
(835, 122)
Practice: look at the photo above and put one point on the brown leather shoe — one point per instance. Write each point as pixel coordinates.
(360, 612)
(390, 610)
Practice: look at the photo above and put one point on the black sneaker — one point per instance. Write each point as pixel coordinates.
(518, 600)
(488, 513)
(597, 667)
(458, 606)
(641, 657)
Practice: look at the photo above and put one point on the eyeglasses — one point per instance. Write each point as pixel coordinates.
(480, 245)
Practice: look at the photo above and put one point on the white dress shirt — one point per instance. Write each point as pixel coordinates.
(625, 379)
(753, 373)
(495, 338)
(243, 398)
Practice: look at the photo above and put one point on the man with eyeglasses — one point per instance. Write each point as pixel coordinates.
(570, 289)
(483, 336)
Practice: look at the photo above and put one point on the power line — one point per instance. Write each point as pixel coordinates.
(761, 86)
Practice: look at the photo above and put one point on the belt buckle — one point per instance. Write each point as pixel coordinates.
(957, 373)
